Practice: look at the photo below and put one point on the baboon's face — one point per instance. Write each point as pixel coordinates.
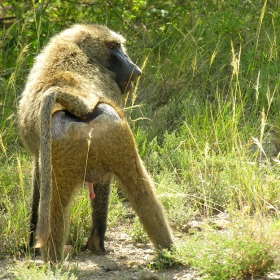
(106, 48)
(124, 69)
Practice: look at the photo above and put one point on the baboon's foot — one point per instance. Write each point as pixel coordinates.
(68, 251)
(55, 257)
(96, 245)
(53, 252)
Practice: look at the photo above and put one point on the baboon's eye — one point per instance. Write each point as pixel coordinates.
(114, 45)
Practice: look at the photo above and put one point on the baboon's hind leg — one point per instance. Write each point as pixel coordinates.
(60, 203)
(99, 206)
(117, 149)
(150, 211)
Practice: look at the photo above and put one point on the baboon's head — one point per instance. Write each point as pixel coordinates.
(106, 48)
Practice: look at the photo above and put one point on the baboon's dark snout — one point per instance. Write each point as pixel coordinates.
(136, 72)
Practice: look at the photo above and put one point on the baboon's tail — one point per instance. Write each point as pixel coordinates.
(75, 105)
(43, 225)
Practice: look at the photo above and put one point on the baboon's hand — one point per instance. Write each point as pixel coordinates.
(78, 106)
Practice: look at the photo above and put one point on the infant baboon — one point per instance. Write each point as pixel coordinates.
(70, 121)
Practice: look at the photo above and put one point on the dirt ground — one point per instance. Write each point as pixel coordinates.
(126, 261)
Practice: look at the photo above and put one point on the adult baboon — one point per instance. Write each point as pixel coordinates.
(69, 119)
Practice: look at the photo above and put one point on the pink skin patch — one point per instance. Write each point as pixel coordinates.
(91, 190)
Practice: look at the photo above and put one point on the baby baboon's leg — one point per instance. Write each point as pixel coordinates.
(99, 206)
(59, 222)
(35, 202)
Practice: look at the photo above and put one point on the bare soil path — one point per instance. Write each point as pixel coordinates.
(126, 261)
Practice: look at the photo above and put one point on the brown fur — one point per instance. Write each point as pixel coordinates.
(72, 75)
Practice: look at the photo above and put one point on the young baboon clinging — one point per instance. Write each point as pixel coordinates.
(69, 119)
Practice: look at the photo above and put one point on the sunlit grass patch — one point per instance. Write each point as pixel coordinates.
(45, 272)
(234, 254)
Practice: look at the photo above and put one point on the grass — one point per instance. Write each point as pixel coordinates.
(234, 255)
(33, 272)
(205, 119)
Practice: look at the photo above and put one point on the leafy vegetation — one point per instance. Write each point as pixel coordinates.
(205, 116)
(234, 256)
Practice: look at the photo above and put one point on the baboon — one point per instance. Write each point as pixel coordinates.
(71, 121)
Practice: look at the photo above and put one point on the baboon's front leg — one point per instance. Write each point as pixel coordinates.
(99, 206)
(35, 202)
(59, 224)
